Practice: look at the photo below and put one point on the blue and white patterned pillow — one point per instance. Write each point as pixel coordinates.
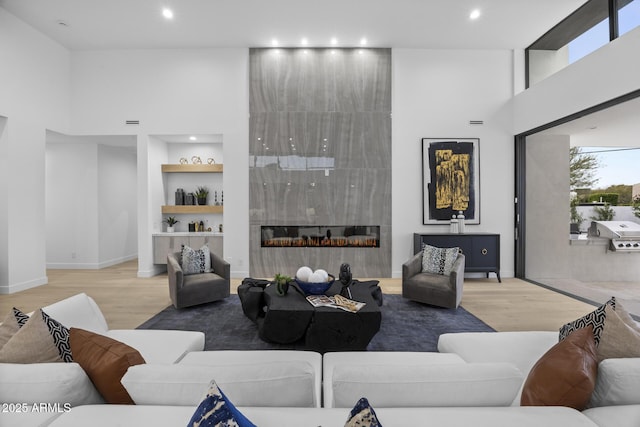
(216, 410)
(196, 261)
(363, 415)
(596, 319)
(438, 260)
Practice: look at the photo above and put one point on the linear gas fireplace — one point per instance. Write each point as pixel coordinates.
(329, 236)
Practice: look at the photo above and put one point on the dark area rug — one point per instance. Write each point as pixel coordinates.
(406, 325)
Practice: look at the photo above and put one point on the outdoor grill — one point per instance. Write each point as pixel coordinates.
(624, 235)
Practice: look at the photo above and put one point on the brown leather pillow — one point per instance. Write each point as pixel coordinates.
(565, 375)
(105, 361)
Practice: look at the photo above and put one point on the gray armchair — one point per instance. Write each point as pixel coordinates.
(429, 288)
(194, 289)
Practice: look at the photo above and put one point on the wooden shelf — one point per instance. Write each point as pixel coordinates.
(192, 209)
(188, 168)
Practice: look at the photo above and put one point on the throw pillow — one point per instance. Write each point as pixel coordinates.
(595, 319)
(11, 324)
(438, 260)
(195, 261)
(363, 415)
(40, 340)
(217, 410)
(105, 361)
(565, 375)
(620, 335)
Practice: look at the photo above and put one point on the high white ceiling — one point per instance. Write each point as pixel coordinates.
(138, 24)
(131, 24)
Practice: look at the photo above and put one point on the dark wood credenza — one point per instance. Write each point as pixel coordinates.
(481, 250)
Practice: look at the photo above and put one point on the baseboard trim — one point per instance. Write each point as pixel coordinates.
(11, 289)
(89, 265)
(157, 269)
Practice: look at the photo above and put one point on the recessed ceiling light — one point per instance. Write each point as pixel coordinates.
(193, 138)
(475, 14)
(304, 41)
(167, 13)
(363, 41)
(334, 41)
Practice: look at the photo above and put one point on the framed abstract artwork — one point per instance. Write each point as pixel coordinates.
(450, 179)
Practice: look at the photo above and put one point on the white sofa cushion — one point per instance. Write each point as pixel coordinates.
(459, 384)
(523, 349)
(376, 358)
(615, 416)
(160, 346)
(46, 383)
(171, 416)
(252, 357)
(290, 383)
(78, 311)
(618, 383)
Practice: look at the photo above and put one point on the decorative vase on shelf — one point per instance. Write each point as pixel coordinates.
(170, 229)
(461, 224)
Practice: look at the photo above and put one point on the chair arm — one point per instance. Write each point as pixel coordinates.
(457, 272)
(413, 266)
(174, 272)
(221, 267)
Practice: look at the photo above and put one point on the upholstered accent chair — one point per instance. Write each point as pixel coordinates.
(193, 289)
(432, 288)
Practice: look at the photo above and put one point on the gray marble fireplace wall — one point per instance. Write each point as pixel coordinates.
(320, 153)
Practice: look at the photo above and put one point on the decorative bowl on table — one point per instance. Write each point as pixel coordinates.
(315, 288)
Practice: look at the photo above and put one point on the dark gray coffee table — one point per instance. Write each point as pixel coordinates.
(291, 318)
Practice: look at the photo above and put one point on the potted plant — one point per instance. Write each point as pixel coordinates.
(171, 221)
(282, 284)
(201, 194)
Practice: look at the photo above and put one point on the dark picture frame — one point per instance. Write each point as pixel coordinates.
(450, 179)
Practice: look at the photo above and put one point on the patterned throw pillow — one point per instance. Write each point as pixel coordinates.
(596, 319)
(216, 410)
(40, 340)
(196, 261)
(363, 415)
(620, 336)
(438, 260)
(11, 324)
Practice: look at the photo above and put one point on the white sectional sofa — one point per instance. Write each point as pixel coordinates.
(474, 379)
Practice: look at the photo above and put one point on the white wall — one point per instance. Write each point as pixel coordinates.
(34, 96)
(199, 91)
(71, 205)
(435, 94)
(117, 220)
(91, 198)
(607, 73)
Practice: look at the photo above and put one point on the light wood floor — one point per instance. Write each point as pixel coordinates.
(127, 301)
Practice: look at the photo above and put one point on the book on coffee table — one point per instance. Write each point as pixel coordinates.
(336, 301)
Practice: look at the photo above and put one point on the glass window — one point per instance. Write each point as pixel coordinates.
(579, 34)
(628, 16)
(592, 39)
